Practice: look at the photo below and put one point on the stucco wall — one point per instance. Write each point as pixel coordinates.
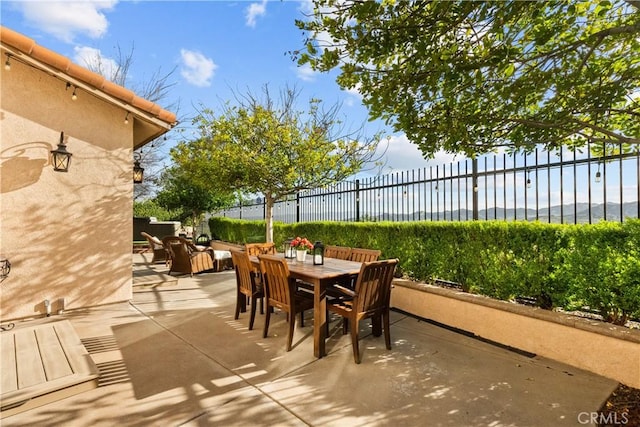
(595, 346)
(67, 235)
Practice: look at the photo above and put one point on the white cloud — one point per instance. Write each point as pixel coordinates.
(305, 73)
(94, 60)
(65, 19)
(404, 155)
(197, 69)
(255, 10)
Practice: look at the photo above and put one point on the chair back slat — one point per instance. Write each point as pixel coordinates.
(255, 249)
(243, 268)
(277, 281)
(339, 252)
(364, 255)
(373, 286)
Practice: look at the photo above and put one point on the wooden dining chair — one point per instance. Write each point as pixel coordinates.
(249, 286)
(255, 249)
(339, 252)
(369, 299)
(281, 292)
(364, 255)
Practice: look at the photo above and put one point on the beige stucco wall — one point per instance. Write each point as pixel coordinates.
(605, 349)
(67, 235)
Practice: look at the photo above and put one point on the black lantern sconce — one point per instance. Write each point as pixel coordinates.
(138, 171)
(318, 253)
(60, 156)
(528, 178)
(598, 174)
(289, 252)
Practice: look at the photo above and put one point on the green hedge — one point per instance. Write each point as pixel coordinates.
(569, 266)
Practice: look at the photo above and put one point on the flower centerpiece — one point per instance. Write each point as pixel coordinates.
(301, 245)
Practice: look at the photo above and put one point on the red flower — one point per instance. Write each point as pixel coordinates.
(301, 243)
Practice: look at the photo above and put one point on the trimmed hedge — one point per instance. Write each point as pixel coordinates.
(596, 266)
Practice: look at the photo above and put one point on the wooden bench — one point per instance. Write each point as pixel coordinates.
(41, 364)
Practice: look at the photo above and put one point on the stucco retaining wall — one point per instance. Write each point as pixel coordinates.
(598, 347)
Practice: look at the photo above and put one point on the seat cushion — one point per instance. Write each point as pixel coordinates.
(221, 254)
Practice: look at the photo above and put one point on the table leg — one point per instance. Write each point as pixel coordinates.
(319, 319)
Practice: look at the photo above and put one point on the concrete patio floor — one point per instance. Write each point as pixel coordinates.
(175, 356)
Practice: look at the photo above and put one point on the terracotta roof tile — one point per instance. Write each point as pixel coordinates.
(61, 63)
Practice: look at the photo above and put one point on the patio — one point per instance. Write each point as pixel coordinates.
(176, 356)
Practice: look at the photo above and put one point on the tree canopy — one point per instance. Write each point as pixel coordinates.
(190, 199)
(266, 145)
(468, 77)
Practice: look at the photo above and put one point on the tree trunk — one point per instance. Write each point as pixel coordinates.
(268, 216)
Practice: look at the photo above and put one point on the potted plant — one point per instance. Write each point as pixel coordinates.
(301, 245)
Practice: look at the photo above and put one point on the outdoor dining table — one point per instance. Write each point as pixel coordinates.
(320, 276)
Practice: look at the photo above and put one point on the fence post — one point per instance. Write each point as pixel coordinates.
(474, 179)
(357, 200)
(298, 206)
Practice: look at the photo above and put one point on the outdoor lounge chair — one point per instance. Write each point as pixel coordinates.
(185, 257)
(369, 299)
(159, 253)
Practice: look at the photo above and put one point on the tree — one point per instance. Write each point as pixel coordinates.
(469, 77)
(155, 88)
(264, 145)
(190, 199)
(150, 208)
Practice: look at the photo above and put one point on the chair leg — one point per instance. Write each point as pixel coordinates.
(301, 319)
(261, 305)
(345, 326)
(253, 314)
(387, 332)
(266, 321)
(292, 322)
(376, 325)
(238, 304)
(354, 341)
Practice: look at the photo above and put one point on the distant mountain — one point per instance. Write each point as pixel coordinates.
(553, 215)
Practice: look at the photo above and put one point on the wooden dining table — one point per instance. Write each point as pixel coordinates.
(320, 276)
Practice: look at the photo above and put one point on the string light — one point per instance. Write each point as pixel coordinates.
(126, 119)
(7, 63)
(73, 95)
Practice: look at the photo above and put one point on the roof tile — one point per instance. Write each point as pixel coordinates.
(61, 63)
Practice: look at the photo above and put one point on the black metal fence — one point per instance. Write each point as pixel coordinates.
(565, 187)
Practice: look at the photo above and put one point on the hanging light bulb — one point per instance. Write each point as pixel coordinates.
(73, 95)
(7, 63)
(529, 179)
(126, 119)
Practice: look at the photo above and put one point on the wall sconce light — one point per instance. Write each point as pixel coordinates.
(7, 63)
(60, 156)
(126, 119)
(73, 94)
(138, 171)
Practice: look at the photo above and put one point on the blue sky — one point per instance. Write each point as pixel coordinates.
(217, 47)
